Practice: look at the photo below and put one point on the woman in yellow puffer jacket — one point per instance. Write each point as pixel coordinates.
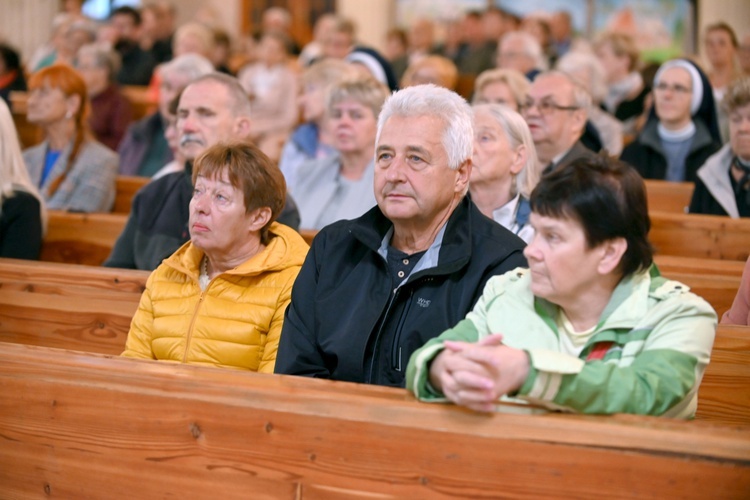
(220, 299)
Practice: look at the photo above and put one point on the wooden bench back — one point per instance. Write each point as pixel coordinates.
(125, 189)
(665, 196)
(83, 425)
(77, 238)
(68, 306)
(724, 395)
(695, 265)
(703, 236)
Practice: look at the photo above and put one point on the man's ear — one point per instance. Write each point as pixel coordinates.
(463, 173)
(612, 253)
(259, 218)
(243, 127)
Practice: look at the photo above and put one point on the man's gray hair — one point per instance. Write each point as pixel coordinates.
(581, 97)
(531, 47)
(449, 107)
(596, 83)
(191, 66)
(240, 101)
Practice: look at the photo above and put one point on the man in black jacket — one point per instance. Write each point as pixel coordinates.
(376, 288)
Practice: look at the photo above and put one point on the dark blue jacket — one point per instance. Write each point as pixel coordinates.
(346, 322)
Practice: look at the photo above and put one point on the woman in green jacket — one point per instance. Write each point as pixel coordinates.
(591, 326)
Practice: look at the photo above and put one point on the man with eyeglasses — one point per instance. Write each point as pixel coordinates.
(683, 130)
(555, 112)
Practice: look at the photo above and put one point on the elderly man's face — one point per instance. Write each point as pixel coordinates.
(205, 117)
(513, 55)
(413, 184)
(547, 112)
(739, 131)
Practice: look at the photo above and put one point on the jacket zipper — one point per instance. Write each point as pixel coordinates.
(396, 346)
(192, 324)
(377, 336)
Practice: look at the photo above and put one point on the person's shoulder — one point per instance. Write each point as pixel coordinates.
(161, 188)
(21, 201)
(98, 150)
(34, 151)
(486, 233)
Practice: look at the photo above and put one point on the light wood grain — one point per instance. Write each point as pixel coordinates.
(703, 236)
(666, 196)
(67, 306)
(92, 426)
(77, 238)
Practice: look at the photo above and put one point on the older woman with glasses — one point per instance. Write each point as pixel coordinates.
(590, 327)
(682, 131)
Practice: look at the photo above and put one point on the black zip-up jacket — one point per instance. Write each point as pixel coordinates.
(346, 322)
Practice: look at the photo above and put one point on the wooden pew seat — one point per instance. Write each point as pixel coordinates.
(84, 425)
(78, 238)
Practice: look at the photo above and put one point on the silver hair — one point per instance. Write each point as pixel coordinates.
(444, 104)
(191, 66)
(596, 83)
(104, 57)
(518, 134)
(240, 101)
(581, 96)
(531, 47)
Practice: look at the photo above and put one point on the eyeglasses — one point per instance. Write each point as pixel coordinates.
(677, 89)
(545, 106)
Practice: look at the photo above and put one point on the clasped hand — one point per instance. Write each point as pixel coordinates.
(475, 375)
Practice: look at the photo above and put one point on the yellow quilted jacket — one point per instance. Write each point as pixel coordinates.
(234, 323)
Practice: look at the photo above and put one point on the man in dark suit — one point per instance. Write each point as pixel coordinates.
(556, 115)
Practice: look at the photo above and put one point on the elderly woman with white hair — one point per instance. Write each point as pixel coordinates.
(683, 130)
(588, 71)
(22, 212)
(505, 168)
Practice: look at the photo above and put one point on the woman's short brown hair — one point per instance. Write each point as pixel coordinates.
(249, 170)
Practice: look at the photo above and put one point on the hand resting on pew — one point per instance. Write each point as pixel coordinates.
(591, 326)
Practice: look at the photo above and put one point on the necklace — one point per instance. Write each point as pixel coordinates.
(203, 278)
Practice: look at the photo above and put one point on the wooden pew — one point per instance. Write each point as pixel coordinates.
(83, 425)
(89, 309)
(125, 189)
(68, 306)
(693, 265)
(78, 238)
(705, 236)
(724, 395)
(665, 196)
